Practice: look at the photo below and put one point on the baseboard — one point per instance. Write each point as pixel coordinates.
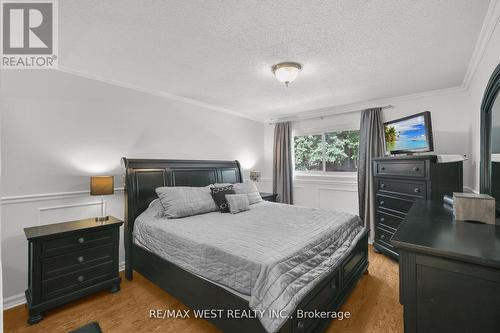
(20, 299)
(13, 301)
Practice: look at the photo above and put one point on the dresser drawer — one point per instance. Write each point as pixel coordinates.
(400, 205)
(79, 279)
(76, 242)
(383, 237)
(413, 169)
(388, 221)
(58, 265)
(350, 266)
(413, 188)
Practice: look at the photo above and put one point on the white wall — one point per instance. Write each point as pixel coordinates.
(58, 129)
(451, 121)
(488, 61)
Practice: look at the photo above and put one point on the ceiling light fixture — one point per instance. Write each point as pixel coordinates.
(286, 72)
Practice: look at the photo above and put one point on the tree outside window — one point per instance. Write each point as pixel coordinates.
(332, 151)
(341, 151)
(308, 152)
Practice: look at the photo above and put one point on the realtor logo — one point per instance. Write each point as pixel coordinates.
(29, 34)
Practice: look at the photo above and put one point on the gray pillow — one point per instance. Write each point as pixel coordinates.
(185, 201)
(237, 203)
(249, 188)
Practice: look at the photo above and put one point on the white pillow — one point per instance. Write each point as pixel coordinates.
(185, 201)
(250, 189)
(237, 203)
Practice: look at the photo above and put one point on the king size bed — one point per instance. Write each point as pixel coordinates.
(275, 261)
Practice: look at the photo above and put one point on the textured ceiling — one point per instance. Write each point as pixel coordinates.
(220, 52)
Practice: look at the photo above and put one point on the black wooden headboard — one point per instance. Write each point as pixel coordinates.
(143, 176)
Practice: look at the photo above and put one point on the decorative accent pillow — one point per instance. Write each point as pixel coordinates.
(237, 203)
(249, 188)
(219, 196)
(184, 201)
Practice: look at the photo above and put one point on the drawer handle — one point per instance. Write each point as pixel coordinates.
(416, 190)
(382, 185)
(80, 259)
(382, 202)
(382, 219)
(382, 236)
(382, 168)
(81, 278)
(416, 169)
(300, 325)
(81, 240)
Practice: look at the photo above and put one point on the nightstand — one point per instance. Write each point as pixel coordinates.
(69, 260)
(269, 196)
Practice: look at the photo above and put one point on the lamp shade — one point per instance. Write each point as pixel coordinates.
(102, 185)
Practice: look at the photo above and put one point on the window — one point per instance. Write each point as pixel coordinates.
(308, 151)
(331, 151)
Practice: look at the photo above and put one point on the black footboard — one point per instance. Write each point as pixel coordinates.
(198, 293)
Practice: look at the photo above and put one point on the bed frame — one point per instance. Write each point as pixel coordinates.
(142, 176)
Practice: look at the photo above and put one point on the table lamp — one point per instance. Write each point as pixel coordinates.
(102, 185)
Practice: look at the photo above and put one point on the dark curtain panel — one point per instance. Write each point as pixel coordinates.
(282, 162)
(371, 145)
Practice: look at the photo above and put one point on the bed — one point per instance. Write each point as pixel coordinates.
(240, 273)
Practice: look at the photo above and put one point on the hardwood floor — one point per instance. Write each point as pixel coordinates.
(373, 304)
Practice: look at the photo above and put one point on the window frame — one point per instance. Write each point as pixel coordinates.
(322, 172)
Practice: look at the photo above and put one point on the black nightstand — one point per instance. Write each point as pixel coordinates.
(69, 260)
(269, 196)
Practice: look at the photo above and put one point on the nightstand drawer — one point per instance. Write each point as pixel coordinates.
(414, 169)
(77, 280)
(58, 265)
(417, 189)
(269, 196)
(76, 242)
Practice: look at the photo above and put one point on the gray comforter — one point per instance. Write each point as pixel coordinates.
(274, 253)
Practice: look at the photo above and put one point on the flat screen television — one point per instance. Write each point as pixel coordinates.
(412, 134)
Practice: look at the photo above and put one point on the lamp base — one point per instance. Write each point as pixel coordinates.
(102, 218)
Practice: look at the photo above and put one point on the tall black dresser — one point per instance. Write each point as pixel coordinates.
(399, 182)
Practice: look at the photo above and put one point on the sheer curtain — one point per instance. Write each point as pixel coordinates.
(282, 162)
(371, 145)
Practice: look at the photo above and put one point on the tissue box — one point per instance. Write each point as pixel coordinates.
(474, 207)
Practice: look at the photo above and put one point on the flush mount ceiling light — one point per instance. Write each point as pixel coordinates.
(286, 72)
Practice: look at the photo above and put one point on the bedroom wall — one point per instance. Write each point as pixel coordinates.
(487, 63)
(451, 120)
(58, 129)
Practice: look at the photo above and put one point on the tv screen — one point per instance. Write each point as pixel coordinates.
(409, 134)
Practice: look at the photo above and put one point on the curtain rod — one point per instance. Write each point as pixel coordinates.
(321, 116)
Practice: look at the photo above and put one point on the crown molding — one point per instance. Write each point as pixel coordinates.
(154, 92)
(354, 107)
(489, 24)
(491, 20)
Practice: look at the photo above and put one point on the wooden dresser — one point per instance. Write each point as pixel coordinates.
(399, 182)
(69, 260)
(449, 272)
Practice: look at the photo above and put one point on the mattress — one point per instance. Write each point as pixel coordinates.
(274, 253)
